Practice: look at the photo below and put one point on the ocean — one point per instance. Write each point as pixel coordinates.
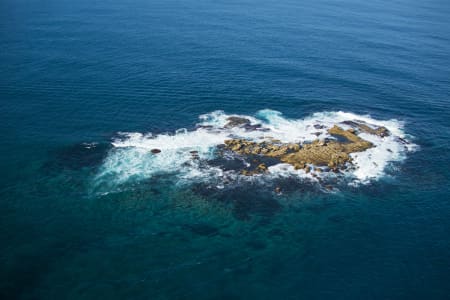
(89, 89)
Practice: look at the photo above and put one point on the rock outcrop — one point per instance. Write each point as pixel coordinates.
(380, 131)
(236, 122)
(331, 154)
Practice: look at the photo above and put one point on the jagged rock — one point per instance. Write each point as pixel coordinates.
(300, 165)
(236, 122)
(330, 153)
(249, 127)
(256, 150)
(236, 148)
(246, 173)
(262, 167)
(294, 147)
(380, 131)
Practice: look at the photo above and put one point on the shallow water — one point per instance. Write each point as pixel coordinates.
(77, 75)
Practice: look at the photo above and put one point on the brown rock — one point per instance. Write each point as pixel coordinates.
(331, 153)
(236, 147)
(246, 173)
(294, 147)
(256, 150)
(262, 167)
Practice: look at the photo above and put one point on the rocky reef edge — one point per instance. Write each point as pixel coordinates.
(321, 155)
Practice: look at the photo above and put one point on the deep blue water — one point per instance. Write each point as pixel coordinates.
(77, 72)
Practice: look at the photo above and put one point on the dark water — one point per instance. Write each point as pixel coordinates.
(77, 72)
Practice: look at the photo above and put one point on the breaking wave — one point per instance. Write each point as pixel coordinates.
(195, 155)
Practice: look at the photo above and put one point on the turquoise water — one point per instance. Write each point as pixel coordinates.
(75, 75)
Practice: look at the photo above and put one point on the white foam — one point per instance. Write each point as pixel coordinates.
(131, 157)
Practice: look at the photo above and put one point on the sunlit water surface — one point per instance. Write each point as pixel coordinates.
(89, 87)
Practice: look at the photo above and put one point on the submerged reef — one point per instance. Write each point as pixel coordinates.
(321, 154)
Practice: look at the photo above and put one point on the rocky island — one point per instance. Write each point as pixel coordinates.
(229, 149)
(321, 154)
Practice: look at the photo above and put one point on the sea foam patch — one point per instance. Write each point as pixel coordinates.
(200, 156)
